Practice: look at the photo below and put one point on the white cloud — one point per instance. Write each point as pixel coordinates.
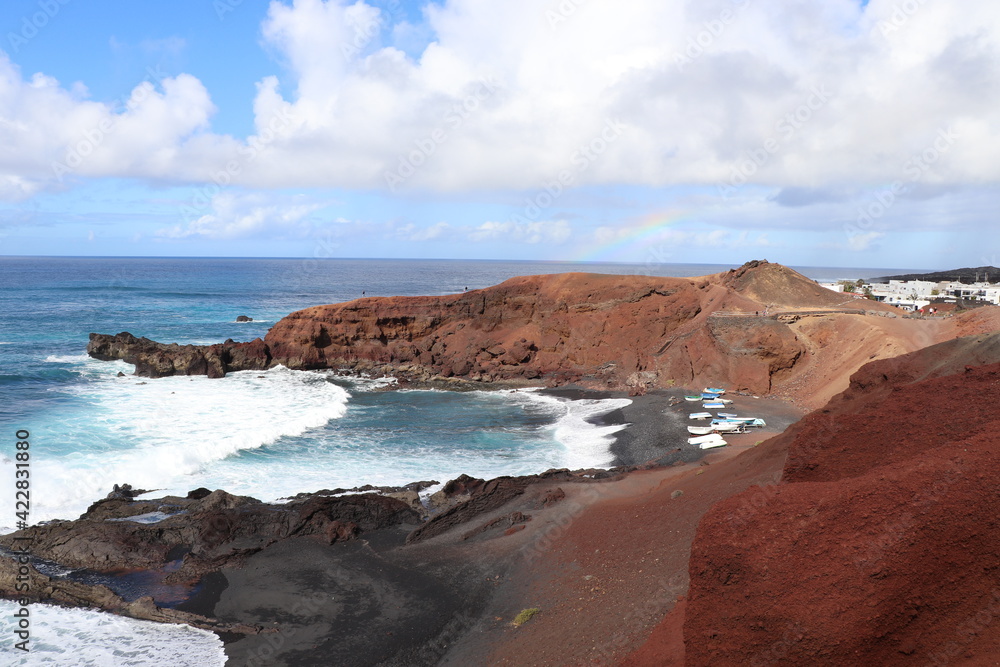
(242, 215)
(793, 93)
(862, 242)
(554, 232)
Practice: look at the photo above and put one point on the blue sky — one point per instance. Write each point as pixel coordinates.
(836, 133)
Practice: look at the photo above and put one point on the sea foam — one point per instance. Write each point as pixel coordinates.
(84, 638)
(588, 445)
(159, 433)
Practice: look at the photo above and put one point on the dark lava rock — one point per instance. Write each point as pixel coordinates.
(244, 318)
(198, 494)
(155, 360)
(124, 492)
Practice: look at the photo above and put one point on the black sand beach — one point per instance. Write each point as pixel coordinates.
(658, 420)
(374, 601)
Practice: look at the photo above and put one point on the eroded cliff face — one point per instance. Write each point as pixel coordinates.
(880, 543)
(605, 331)
(564, 326)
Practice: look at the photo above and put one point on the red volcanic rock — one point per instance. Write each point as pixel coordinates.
(606, 331)
(880, 545)
(569, 327)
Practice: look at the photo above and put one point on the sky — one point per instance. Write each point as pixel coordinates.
(834, 133)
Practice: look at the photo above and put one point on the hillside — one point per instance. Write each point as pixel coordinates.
(966, 275)
(879, 541)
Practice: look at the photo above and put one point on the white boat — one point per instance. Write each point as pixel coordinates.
(693, 399)
(709, 396)
(700, 430)
(713, 390)
(700, 415)
(731, 427)
(714, 443)
(704, 439)
(713, 405)
(746, 421)
(730, 415)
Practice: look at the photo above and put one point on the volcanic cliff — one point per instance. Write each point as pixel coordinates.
(879, 545)
(756, 328)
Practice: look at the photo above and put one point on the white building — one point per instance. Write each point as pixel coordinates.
(974, 292)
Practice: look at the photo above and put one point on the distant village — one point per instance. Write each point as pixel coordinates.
(924, 296)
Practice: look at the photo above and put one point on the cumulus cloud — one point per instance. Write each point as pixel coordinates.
(246, 215)
(864, 241)
(510, 95)
(554, 232)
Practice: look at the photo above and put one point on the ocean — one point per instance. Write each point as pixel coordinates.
(265, 434)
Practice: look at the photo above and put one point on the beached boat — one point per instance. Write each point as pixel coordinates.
(693, 399)
(714, 443)
(702, 439)
(746, 421)
(700, 415)
(708, 396)
(727, 414)
(713, 390)
(712, 405)
(701, 430)
(729, 427)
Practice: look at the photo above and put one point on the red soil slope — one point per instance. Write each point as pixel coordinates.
(880, 545)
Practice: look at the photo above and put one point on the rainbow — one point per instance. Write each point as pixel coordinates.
(639, 242)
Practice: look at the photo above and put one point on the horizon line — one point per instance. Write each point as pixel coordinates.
(457, 259)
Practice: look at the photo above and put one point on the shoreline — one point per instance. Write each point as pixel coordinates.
(655, 433)
(444, 576)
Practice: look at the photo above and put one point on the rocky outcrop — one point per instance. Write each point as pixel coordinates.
(23, 581)
(155, 360)
(879, 544)
(605, 331)
(203, 534)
